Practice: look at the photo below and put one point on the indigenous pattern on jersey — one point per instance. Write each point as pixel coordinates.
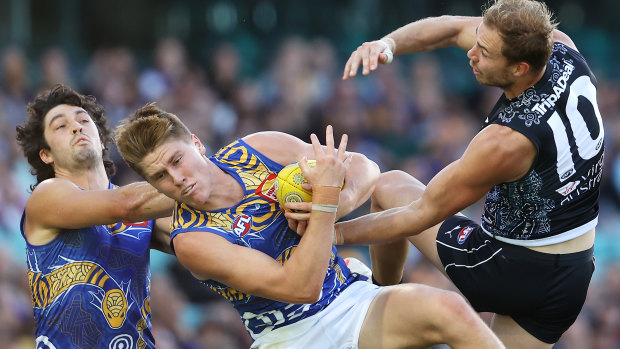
(91, 287)
(557, 199)
(256, 222)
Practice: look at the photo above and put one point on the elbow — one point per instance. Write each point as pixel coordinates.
(306, 292)
(309, 294)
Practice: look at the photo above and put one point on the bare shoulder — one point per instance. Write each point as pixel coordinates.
(278, 146)
(565, 39)
(38, 207)
(50, 187)
(508, 152)
(504, 140)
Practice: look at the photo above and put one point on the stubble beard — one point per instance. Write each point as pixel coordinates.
(86, 157)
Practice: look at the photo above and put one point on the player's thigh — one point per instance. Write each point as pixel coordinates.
(407, 316)
(513, 335)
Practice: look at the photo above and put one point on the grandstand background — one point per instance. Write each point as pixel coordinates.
(232, 67)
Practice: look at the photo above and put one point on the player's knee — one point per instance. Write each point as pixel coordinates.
(453, 305)
(395, 188)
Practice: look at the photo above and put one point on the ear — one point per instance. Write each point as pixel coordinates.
(46, 156)
(198, 144)
(520, 69)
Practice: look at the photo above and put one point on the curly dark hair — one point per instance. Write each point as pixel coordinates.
(30, 135)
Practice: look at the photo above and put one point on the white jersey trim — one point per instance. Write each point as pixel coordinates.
(551, 240)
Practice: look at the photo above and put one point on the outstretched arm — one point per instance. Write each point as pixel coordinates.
(496, 155)
(58, 204)
(423, 35)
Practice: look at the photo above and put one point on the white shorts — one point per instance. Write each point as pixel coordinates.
(336, 327)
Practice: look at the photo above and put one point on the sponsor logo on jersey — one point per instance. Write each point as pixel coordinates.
(268, 188)
(558, 88)
(463, 234)
(568, 188)
(242, 225)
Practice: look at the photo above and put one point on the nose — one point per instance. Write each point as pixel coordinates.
(471, 53)
(177, 178)
(77, 127)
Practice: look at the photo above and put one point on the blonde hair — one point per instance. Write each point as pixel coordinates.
(144, 131)
(526, 28)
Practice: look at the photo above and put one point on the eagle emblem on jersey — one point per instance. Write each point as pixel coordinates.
(109, 297)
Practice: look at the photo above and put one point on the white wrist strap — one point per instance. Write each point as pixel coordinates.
(387, 51)
(325, 208)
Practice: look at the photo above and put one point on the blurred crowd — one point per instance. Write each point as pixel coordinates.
(417, 114)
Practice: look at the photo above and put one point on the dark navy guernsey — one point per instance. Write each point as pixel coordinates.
(557, 200)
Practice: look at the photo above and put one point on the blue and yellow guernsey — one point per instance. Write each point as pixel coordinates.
(256, 222)
(90, 287)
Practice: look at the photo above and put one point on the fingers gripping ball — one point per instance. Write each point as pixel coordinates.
(289, 182)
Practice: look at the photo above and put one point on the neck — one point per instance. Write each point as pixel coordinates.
(92, 178)
(225, 190)
(523, 84)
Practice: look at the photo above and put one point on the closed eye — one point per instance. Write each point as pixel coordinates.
(158, 176)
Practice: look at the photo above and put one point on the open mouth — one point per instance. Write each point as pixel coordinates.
(188, 189)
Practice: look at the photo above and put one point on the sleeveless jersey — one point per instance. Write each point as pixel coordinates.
(557, 200)
(90, 287)
(256, 222)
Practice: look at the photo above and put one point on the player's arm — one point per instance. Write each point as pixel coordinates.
(496, 155)
(423, 35)
(299, 279)
(160, 239)
(360, 177)
(57, 204)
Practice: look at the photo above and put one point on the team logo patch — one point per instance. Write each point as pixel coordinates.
(242, 225)
(568, 188)
(463, 234)
(268, 188)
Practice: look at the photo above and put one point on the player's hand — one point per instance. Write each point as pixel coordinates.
(369, 54)
(331, 163)
(298, 220)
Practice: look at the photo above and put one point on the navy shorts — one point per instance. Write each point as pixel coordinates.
(542, 292)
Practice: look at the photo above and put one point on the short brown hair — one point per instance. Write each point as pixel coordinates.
(30, 135)
(526, 28)
(144, 131)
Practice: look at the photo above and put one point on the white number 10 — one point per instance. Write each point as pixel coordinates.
(587, 146)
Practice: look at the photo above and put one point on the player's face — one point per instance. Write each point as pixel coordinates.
(490, 67)
(72, 136)
(179, 169)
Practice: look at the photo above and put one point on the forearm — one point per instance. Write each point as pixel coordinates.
(308, 265)
(434, 32)
(393, 224)
(313, 253)
(141, 202)
(376, 228)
